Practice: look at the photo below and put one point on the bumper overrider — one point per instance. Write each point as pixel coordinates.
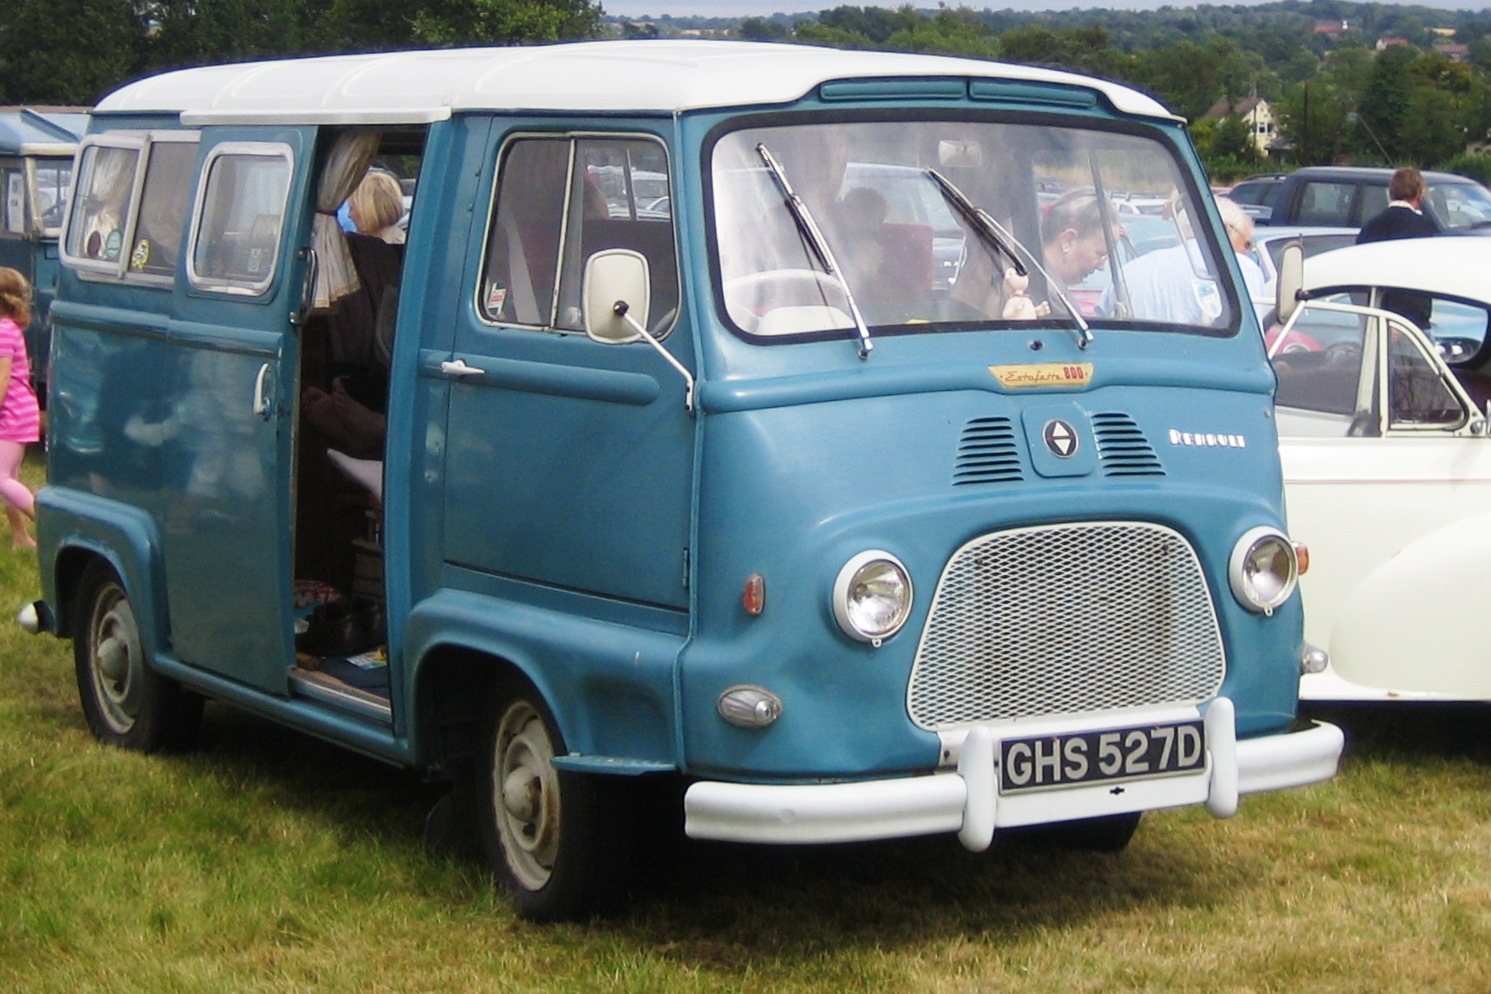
(973, 799)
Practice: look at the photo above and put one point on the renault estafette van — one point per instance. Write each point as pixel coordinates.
(36, 152)
(664, 454)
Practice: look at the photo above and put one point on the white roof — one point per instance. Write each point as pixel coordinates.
(1449, 265)
(665, 76)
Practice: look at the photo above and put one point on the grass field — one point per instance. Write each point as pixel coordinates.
(266, 861)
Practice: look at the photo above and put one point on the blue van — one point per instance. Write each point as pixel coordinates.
(36, 152)
(664, 458)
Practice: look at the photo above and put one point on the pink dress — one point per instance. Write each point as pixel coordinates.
(20, 414)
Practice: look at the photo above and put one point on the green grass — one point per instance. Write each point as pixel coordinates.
(266, 861)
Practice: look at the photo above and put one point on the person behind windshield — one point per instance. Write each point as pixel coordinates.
(1240, 233)
(1072, 239)
(1177, 285)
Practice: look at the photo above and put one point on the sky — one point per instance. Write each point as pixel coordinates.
(765, 8)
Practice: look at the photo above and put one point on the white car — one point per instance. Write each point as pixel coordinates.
(1387, 467)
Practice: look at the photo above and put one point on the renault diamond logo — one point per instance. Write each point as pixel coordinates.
(1061, 438)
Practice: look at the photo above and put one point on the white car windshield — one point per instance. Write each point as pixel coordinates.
(909, 260)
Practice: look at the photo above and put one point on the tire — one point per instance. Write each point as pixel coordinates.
(558, 842)
(125, 703)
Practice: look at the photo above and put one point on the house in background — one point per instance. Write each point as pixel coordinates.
(1255, 111)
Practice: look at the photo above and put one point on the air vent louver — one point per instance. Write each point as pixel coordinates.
(1122, 447)
(988, 453)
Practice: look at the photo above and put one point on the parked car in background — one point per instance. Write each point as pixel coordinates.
(1268, 246)
(1256, 195)
(1387, 470)
(36, 152)
(1347, 196)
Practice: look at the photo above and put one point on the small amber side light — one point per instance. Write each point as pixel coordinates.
(753, 595)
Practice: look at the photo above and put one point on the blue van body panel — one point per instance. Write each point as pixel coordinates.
(610, 686)
(126, 536)
(912, 505)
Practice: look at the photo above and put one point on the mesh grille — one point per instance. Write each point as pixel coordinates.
(1066, 619)
(987, 453)
(1123, 448)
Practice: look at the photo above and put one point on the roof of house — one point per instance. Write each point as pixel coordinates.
(656, 75)
(1239, 107)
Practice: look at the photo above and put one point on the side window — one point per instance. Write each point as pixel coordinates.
(1417, 396)
(96, 228)
(53, 180)
(561, 200)
(13, 208)
(1373, 202)
(132, 197)
(164, 200)
(1326, 204)
(240, 217)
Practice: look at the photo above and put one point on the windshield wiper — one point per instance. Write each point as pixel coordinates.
(1003, 242)
(814, 237)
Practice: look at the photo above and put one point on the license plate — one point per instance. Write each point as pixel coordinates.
(1115, 754)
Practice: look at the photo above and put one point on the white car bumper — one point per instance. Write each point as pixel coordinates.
(968, 800)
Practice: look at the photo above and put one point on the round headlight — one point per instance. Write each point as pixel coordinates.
(1263, 570)
(872, 596)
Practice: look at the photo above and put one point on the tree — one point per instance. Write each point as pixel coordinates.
(458, 22)
(201, 32)
(760, 29)
(36, 67)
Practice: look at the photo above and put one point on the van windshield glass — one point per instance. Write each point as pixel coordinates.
(1101, 221)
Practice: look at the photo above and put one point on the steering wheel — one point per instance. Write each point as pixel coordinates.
(782, 277)
(1343, 354)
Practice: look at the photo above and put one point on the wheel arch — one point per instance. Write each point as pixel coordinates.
(609, 689)
(126, 538)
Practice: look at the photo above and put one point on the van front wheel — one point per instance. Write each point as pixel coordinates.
(558, 842)
(125, 702)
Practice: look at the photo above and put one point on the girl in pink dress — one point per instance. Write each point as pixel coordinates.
(20, 414)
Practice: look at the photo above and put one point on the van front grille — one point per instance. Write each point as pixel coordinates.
(1066, 619)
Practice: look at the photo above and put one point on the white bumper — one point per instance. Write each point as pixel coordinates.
(968, 800)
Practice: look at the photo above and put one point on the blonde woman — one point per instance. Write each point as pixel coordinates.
(377, 205)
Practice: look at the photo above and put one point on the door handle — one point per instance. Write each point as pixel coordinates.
(458, 367)
(261, 400)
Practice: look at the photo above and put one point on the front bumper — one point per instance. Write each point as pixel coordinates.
(968, 801)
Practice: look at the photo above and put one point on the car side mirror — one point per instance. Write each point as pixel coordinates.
(617, 287)
(1291, 280)
(615, 294)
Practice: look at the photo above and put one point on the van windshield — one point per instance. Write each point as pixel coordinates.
(1099, 221)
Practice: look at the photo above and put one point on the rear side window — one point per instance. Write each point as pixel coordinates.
(164, 201)
(133, 194)
(240, 217)
(560, 200)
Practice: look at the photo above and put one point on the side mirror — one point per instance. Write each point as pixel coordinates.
(615, 295)
(617, 285)
(1291, 280)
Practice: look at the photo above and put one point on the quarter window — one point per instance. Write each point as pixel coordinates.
(562, 199)
(97, 229)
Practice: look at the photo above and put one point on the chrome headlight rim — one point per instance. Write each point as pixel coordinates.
(850, 606)
(1263, 545)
